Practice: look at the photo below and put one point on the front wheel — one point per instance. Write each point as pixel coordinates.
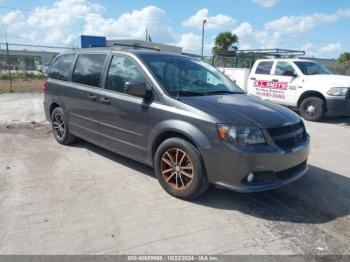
(179, 169)
(312, 108)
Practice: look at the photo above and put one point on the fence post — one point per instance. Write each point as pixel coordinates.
(7, 62)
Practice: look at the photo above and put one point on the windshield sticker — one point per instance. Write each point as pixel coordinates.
(270, 89)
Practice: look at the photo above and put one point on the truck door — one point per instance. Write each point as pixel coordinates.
(260, 81)
(287, 83)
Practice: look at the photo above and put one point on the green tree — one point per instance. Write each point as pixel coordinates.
(344, 58)
(224, 43)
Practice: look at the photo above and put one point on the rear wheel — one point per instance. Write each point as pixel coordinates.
(179, 169)
(312, 108)
(60, 127)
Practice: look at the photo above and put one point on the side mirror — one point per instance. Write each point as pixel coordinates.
(139, 89)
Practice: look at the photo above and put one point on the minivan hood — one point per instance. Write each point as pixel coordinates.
(333, 80)
(243, 109)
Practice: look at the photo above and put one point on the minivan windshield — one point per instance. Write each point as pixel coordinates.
(184, 76)
(312, 68)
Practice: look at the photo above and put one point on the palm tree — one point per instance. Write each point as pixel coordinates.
(223, 42)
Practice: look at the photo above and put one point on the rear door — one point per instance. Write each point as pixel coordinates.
(124, 118)
(261, 83)
(82, 98)
(287, 82)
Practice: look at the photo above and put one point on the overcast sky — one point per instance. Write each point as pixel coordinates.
(321, 28)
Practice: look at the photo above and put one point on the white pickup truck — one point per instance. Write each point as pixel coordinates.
(296, 83)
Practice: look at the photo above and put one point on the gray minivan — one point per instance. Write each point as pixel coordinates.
(178, 114)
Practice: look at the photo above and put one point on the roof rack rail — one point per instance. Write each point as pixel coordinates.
(135, 46)
(252, 54)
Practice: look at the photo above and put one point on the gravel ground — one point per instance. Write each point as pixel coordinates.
(82, 199)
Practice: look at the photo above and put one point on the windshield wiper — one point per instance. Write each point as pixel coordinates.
(220, 92)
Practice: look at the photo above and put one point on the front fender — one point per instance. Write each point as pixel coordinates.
(184, 128)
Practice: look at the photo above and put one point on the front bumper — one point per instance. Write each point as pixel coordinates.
(272, 167)
(338, 106)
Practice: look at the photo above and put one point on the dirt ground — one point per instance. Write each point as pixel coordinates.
(18, 85)
(82, 199)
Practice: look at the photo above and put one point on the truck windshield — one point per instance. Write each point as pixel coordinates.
(184, 76)
(312, 68)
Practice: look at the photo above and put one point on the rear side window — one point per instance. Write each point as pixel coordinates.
(284, 69)
(88, 69)
(123, 70)
(264, 68)
(61, 67)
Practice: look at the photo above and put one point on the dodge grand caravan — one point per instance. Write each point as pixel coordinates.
(180, 115)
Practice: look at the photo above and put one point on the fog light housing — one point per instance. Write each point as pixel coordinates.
(250, 177)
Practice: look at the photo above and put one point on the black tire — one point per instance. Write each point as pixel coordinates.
(184, 188)
(313, 108)
(60, 127)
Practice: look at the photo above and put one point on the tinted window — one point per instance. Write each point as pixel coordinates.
(264, 68)
(122, 70)
(61, 68)
(88, 69)
(284, 69)
(311, 68)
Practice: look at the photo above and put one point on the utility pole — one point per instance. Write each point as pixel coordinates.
(7, 61)
(204, 21)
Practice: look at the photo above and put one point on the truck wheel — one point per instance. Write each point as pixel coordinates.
(312, 108)
(60, 127)
(179, 169)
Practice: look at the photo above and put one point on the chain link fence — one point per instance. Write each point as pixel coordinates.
(23, 67)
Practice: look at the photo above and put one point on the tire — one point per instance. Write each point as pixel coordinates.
(312, 108)
(60, 127)
(186, 179)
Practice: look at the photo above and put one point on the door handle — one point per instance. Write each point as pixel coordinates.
(91, 97)
(252, 78)
(105, 101)
(274, 80)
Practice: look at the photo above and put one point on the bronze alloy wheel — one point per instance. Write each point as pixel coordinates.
(177, 169)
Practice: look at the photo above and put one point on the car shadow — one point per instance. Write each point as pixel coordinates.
(336, 120)
(318, 197)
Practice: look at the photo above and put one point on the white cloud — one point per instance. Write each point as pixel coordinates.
(132, 25)
(58, 19)
(332, 50)
(13, 20)
(250, 38)
(62, 13)
(302, 24)
(266, 3)
(213, 22)
(190, 42)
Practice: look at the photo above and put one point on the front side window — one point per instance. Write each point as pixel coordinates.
(122, 70)
(284, 69)
(61, 67)
(183, 76)
(312, 68)
(88, 69)
(264, 68)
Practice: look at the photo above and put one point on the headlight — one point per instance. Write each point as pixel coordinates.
(338, 91)
(240, 135)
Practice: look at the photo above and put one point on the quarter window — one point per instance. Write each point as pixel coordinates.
(61, 67)
(88, 69)
(264, 68)
(284, 69)
(123, 70)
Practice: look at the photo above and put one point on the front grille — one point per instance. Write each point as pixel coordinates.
(288, 137)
